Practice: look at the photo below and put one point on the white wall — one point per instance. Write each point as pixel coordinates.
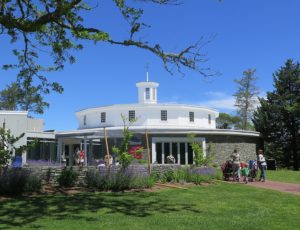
(148, 115)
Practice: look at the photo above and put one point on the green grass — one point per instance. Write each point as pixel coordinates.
(284, 176)
(219, 206)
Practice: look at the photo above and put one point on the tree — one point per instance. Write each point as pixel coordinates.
(246, 97)
(7, 146)
(277, 117)
(9, 97)
(27, 98)
(56, 28)
(124, 156)
(226, 121)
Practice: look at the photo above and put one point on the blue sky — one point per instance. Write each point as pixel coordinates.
(247, 34)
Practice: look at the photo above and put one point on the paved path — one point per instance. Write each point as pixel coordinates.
(279, 186)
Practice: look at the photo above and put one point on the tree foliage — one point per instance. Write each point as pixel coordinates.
(27, 98)
(122, 152)
(277, 117)
(227, 121)
(57, 28)
(7, 146)
(246, 97)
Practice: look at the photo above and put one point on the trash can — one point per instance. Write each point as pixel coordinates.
(271, 164)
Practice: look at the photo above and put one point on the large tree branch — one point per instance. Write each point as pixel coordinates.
(10, 22)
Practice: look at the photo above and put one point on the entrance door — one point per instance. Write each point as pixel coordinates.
(159, 153)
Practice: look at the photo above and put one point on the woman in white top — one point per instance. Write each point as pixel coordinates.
(262, 165)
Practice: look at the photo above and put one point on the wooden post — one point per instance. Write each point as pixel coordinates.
(107, 149)
(148, 152)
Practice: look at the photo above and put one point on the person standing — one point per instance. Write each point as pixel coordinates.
(81, 157)
(236, 164)
(262, 165)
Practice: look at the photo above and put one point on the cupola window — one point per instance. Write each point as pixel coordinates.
(147, 93)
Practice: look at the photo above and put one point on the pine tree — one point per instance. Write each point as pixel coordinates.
(277, 118)
(245, 97)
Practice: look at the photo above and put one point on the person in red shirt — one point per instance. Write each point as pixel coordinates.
(81, 158)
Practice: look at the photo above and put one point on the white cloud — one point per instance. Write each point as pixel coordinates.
(225, 103)
(219, 100)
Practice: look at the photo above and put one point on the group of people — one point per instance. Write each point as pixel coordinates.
(239, 167)
(79, 157)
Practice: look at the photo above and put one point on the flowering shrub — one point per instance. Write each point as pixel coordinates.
(17, 181)
(136, 151)
(195, 175)
(118, 179)
(42, 163)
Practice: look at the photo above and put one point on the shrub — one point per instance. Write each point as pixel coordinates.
(67, 178)
(17, 181)
(33, 183)
(195, 175)
(118, 179)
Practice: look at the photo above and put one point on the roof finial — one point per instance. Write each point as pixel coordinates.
(147, 73)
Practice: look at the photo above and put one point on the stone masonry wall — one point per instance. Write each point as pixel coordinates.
(223, 147)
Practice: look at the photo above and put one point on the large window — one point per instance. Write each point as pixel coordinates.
(147, 93)
(164, 115)
(131, 115)
(192, 116)
(103, 117)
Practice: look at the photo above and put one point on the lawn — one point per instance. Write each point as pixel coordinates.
(218, 206)
(284, 176)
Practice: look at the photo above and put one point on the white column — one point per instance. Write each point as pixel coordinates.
(90, 156)
(178, 153)
(85, 150)
(163, 153)
(186, 153)
(204, 148)
(193, 157)
(59, 149)
(153, 146)
(171, 149)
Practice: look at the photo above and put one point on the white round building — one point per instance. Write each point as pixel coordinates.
(166, 125)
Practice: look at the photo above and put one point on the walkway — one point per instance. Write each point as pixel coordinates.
(279, 186)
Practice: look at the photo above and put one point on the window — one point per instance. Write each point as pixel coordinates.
(147, 93)
(131, 115)
(103, 117)
(192, 116)
(209, 119)
(164, 115)
(84, 120)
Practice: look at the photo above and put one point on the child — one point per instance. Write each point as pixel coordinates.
(245, 173)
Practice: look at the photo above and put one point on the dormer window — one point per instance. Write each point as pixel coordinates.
(103, 117)
(192, 116)
(164, 115)
(131, 115)
(84, 120)
(147, 93)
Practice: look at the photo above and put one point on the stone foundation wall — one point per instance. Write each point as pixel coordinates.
(223, 146)
(49, 175)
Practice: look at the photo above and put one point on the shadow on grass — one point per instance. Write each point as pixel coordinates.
(26, 210)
